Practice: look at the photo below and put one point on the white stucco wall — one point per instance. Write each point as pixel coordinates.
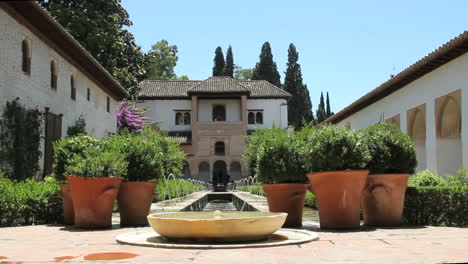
(440, 82)
(275, 112)
(233, 109)
(163, 111)
(34, 90)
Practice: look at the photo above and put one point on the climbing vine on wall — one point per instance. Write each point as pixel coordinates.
(20, 137)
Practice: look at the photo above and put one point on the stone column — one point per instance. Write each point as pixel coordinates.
(431, 137)
(195, 125)
(464, 127)
(244, 109)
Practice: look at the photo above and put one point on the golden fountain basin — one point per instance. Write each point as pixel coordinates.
(216, 226)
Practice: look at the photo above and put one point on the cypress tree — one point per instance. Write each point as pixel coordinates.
(321, 112)
(218, 62)
(328, 110)
(299, 110)
(266, 68)
(229, 66)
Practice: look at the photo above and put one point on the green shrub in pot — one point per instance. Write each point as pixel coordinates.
(391, 150)
(97, 162)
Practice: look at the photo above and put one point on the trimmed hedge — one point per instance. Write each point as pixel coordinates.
(29, 203)
(436, 206)
(257, 189)
(174, 188)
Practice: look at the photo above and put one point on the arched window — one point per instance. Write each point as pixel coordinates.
(179, 118)
(53, 74)
(251, 118)
(26, 57)
(187, 118)
(449, 123)
(72, 88)
(259, 118)
(219, 113)
(219, 148)
(204, 171)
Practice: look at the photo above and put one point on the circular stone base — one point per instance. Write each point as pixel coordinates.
(148, 238)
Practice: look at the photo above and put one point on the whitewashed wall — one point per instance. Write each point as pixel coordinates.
(233, 109)
(275, 112)
(34, 90)
(164, 111)
(440, 82)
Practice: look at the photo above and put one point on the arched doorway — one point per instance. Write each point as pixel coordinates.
(417, 131)
(220, 175)
(236, 171)
(449, 145)
(186, 170)
(204, 171)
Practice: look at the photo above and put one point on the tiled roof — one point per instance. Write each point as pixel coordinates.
(444, 54)
(155, 89)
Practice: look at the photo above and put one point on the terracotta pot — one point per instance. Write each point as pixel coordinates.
(287, 198)
(383, 199)
(93, 200)
(338, 196)
(65, 194)
(134, 200)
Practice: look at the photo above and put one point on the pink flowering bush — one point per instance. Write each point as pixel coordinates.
(131, 118)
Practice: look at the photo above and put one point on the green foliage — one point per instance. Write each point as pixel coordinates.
(78, 128)
(29, 202)
(173, 188)
(99, 26)
(66, 149)
(321, 111)
(460, 179)
(162, 60)
(257, 189)
(266, 68)
(300, 108)
(97, 161)
(426, 178)
(228, 69)
(328, 109)
(392, 151)
(276, 155)
(150, 155)
(242, 74)
(436, 206)
(331, 148)
(20, 137)
(218, 62)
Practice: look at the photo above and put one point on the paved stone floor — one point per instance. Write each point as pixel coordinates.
(368, 245)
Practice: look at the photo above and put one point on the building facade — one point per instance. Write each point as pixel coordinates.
(427, 100)
(212, 118)
(48, 70)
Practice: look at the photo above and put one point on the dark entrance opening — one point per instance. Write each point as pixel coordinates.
(220, 176)
(53, 132)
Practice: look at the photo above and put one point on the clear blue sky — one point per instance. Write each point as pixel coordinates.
(345, 47)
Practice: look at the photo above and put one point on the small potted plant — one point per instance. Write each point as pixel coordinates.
(337, 159)
(94, 180)
(64, 150)
(274, 153)
(393, 160)
(146, 154)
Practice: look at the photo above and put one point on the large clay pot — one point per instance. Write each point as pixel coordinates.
(93, 200)
(65, 194)
(287, 198)
(383, 199)
(338, 196)
(134, 200)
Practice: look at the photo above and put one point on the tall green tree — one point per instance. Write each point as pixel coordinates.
(242, 74)
(218, 62)
(299, 106)
(328, 110)
(162, 60)
(229, 66)
(99, 27)
(321, 112)
(266, 68)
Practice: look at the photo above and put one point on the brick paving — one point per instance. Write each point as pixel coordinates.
(408, 244)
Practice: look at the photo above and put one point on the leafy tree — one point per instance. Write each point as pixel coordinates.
(328, 110)
(321, 112)
(162, 60)
(218, 62)
(99, 27)
(229, 66)
(242, 74)
(299, 110)
(266, 68)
